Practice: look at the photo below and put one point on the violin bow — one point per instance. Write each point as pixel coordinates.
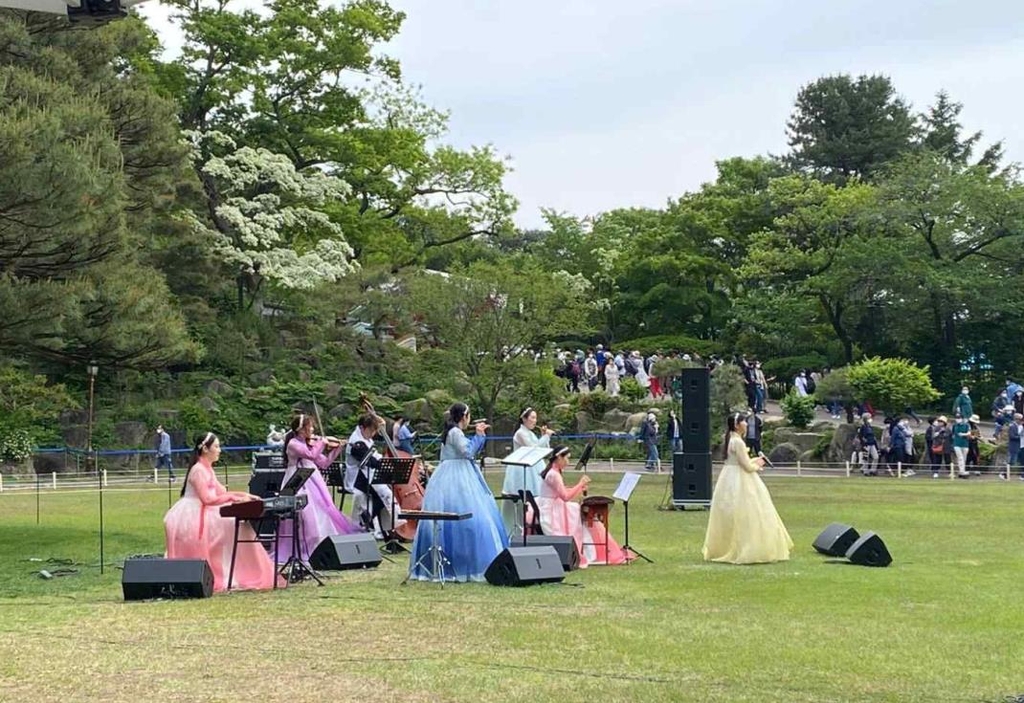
(316, 410)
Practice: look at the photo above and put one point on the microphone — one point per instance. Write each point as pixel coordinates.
(767, 461)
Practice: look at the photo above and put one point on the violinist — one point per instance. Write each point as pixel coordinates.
(373, 507)
(320, 518)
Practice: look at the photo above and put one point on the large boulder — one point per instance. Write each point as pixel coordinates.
(802, 439)
(784, 454)
(841, 447)
(615, 420)
(261, 378)
(332, 391)
(418, 411)
(208, 404)
(341, 410)
(132, 434)
(217, 387)
(399, 390)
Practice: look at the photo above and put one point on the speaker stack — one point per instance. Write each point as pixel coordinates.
(691, 468)
(148, 578)
(839, 540)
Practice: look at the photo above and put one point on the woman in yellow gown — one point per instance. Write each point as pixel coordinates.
(743, 527)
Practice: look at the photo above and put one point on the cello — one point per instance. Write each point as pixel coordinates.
(409, 496)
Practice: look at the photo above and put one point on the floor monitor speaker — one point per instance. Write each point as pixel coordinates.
(835, 539)
(147, 578)
(568, 552)
(869, 550)
(525, 566)
(341, 552)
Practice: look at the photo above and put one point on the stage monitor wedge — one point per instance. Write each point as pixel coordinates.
(568, 552)
(525, 566)
(869, 550)
(835, 539)
(153, 577)
(343, 552)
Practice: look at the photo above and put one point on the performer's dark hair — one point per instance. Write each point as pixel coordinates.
(298, 422)
(368, 421)
(559, 451)
(525, 414)
(732, 422)
(202, 441)
(452, 419)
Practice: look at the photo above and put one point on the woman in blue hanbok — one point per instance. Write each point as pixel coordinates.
(458, 486)
(516, 479)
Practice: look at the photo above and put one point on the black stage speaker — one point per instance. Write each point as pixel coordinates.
(835, 539)
(341, 552)
(869, 550)
(696, 418)
(568, 552)
(691, 478)
(166, 578)
(525, 566)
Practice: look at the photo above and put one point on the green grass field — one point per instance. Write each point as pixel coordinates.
(942, 623)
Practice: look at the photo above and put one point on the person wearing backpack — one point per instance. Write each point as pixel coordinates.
(810, 384)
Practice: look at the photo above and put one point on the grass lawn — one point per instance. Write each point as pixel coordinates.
(943, 623)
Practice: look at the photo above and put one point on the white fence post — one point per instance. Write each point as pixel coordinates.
(847, 469)
(53, 478)
(611, 461)
(104, 478)
(156, 475)
(1, 483)
(899, 469)
(797, 467)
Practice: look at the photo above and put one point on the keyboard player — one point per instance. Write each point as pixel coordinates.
(195, 528)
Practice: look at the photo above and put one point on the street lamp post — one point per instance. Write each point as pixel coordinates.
(93, 369)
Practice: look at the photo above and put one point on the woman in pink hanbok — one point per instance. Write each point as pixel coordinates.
(320, 518)
(195, 529)
(560, 515)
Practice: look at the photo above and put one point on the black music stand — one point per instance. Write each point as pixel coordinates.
(623, 493)
(526, 457)
(295, 566)
(393, 470)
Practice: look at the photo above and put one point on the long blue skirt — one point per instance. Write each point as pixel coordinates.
(470, 545)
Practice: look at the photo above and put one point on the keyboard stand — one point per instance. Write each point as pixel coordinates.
(438, 560)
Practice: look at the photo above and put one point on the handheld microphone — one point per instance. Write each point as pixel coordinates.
(767, 461)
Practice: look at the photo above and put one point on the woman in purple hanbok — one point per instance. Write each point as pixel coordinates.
(320, 518)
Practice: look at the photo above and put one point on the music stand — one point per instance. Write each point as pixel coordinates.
(581, 463)
(526, 457)
(295, 566)
(623, 492)
(393, 470)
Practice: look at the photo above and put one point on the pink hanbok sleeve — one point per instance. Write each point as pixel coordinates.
(300, 450)
(557, 485)
(207, 488)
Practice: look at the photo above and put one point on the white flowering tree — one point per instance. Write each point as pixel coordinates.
(266, 218)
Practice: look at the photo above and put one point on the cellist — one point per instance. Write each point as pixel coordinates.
(371, 507)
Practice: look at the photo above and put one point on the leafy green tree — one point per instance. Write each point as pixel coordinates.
(892, 384)
(943, 134)
(84, 151)
(309, 82)
(798, 409)
(30, 404)
(842, 127)
(487, 319)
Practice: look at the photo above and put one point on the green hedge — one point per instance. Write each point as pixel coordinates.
(666, 343)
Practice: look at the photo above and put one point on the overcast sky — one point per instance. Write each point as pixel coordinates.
(604, 104)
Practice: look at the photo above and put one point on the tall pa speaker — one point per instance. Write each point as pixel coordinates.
(696, 410)
(342, 552)
(525, 566)
(691, 479)
(835, 539)
(869, 550)
(147, 578)
(568, 552)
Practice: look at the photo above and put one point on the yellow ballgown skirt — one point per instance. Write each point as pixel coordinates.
(744, 527)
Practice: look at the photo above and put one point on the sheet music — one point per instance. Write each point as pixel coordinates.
(626, 486)
(527, 456)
